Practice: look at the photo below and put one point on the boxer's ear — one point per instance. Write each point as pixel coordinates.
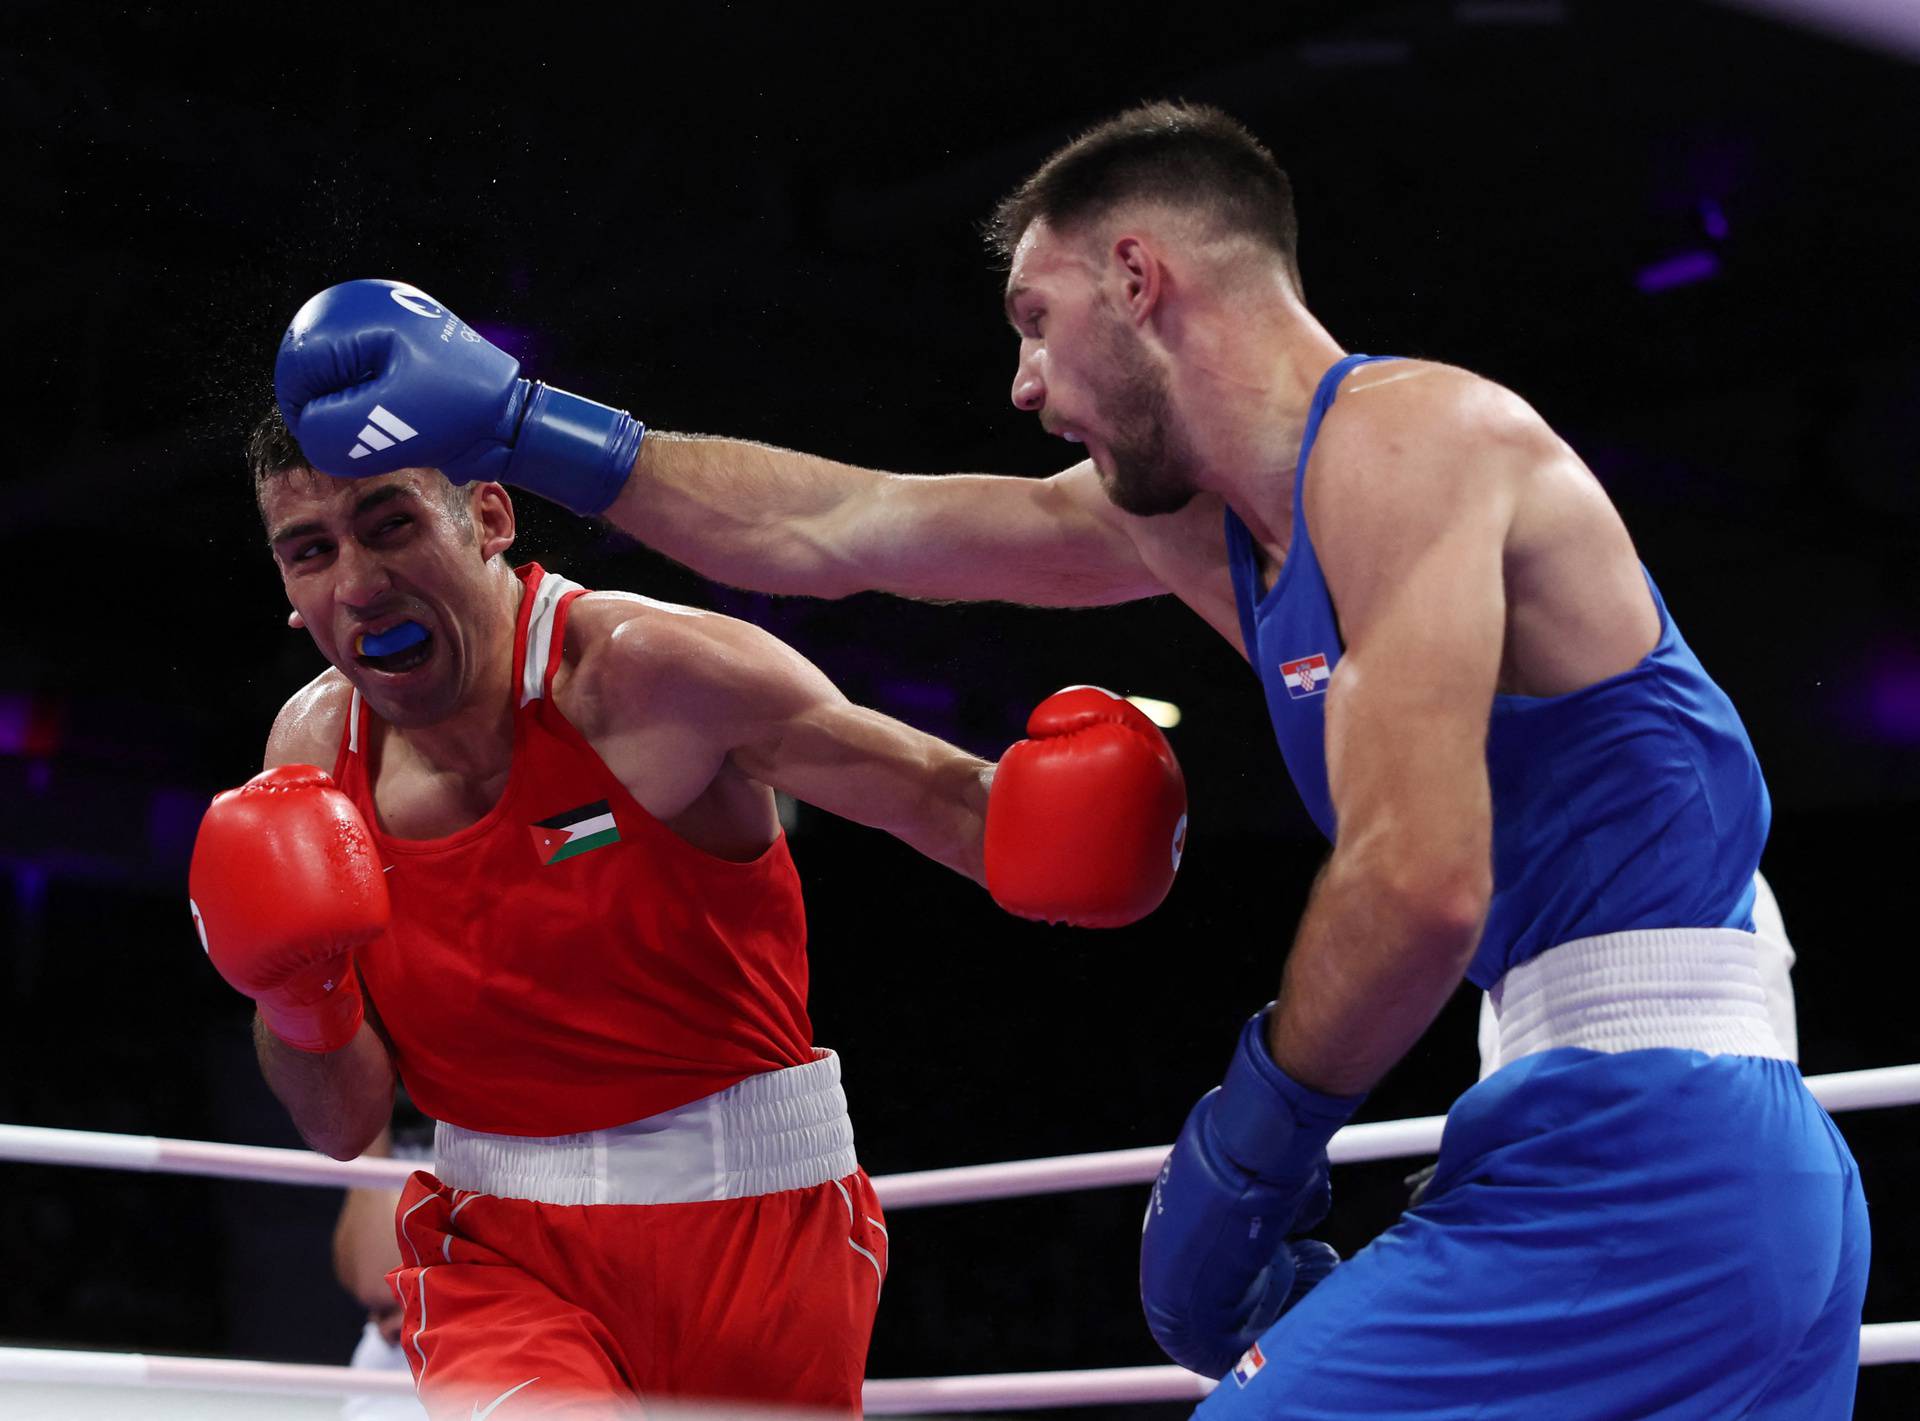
(296, 621)
(495, 517)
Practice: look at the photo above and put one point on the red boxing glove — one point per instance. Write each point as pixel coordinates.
(285, 884)
(1087, 820)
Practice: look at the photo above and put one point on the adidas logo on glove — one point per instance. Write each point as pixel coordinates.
(383, 430)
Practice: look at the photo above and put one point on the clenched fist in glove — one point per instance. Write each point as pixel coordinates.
(375, 376)
(1088, 816)
(285, 883)
(1221, 1257)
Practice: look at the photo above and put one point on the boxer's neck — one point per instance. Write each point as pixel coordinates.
(475, 741)
(1244, 392)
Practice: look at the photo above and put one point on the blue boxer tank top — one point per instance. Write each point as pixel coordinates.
(1636, 802)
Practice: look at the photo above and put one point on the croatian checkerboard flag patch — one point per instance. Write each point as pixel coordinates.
(574, 832)
(1249, 1364)
(1307, 676)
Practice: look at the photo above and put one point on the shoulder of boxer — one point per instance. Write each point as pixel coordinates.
(1418, 414)
(1407, 461)
(629, 658)
(307, 731)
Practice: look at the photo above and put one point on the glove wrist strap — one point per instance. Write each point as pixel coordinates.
(573, 451)
(1268, 1122)
(316, 1023)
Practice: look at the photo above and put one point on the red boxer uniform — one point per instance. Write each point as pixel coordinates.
(646, 1182)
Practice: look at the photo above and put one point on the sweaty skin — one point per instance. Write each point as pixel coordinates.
(700, 716)
(1466, 548)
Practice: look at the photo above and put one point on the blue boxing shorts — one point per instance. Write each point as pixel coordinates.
(1608, 1234)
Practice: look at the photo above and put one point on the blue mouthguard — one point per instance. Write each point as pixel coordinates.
(393, 639)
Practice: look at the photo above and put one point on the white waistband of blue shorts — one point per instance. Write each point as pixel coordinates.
(785, 1129)
(1691, 989)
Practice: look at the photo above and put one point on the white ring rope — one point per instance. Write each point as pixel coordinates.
(1378, 1140)
(1880, 1343)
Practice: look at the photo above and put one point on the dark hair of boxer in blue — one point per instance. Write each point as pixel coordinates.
(1185, 155)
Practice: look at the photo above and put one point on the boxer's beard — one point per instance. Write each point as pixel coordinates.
(1152, 465)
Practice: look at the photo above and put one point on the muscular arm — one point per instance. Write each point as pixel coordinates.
(338, 1099)
(1410, 531)
(341, 1100)
(779, 521)
(744, 697)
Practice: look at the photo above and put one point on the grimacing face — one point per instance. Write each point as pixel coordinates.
(360, 556)
(1085, 370)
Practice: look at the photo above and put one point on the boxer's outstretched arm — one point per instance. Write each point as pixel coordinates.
(736, 511)
(778, 521)
(1411, 536)
(741, 695)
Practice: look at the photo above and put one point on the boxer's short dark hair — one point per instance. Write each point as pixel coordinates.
(272, 451)
(1185, 155)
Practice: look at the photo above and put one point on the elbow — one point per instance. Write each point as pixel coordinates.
(1447, 914)
(1439, 904)
(337, 1146)
(800, 558)
(339, 1101)
(830, 574)
(1454, 924)
(345, 1138)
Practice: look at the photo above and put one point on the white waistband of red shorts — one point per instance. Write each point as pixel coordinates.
(1691, 989)
(785, 1129)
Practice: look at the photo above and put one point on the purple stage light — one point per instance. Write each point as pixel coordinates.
(918, 697)
(1713, 219)
(931, 706)
(29, 890)
(29, 725)
(1683, 269)
(16, 714)
(173, 819)
(1893, 699)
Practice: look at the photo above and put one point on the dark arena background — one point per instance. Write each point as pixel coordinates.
(1686, 232)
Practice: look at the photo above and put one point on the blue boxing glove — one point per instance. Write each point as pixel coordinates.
(375, 376)
(1217, 1266)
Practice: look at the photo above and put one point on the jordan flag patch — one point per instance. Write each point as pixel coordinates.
(574, 832)
(1249, 1364)
(1305, 677)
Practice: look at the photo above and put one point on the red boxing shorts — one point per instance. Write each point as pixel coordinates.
(520, 1307)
